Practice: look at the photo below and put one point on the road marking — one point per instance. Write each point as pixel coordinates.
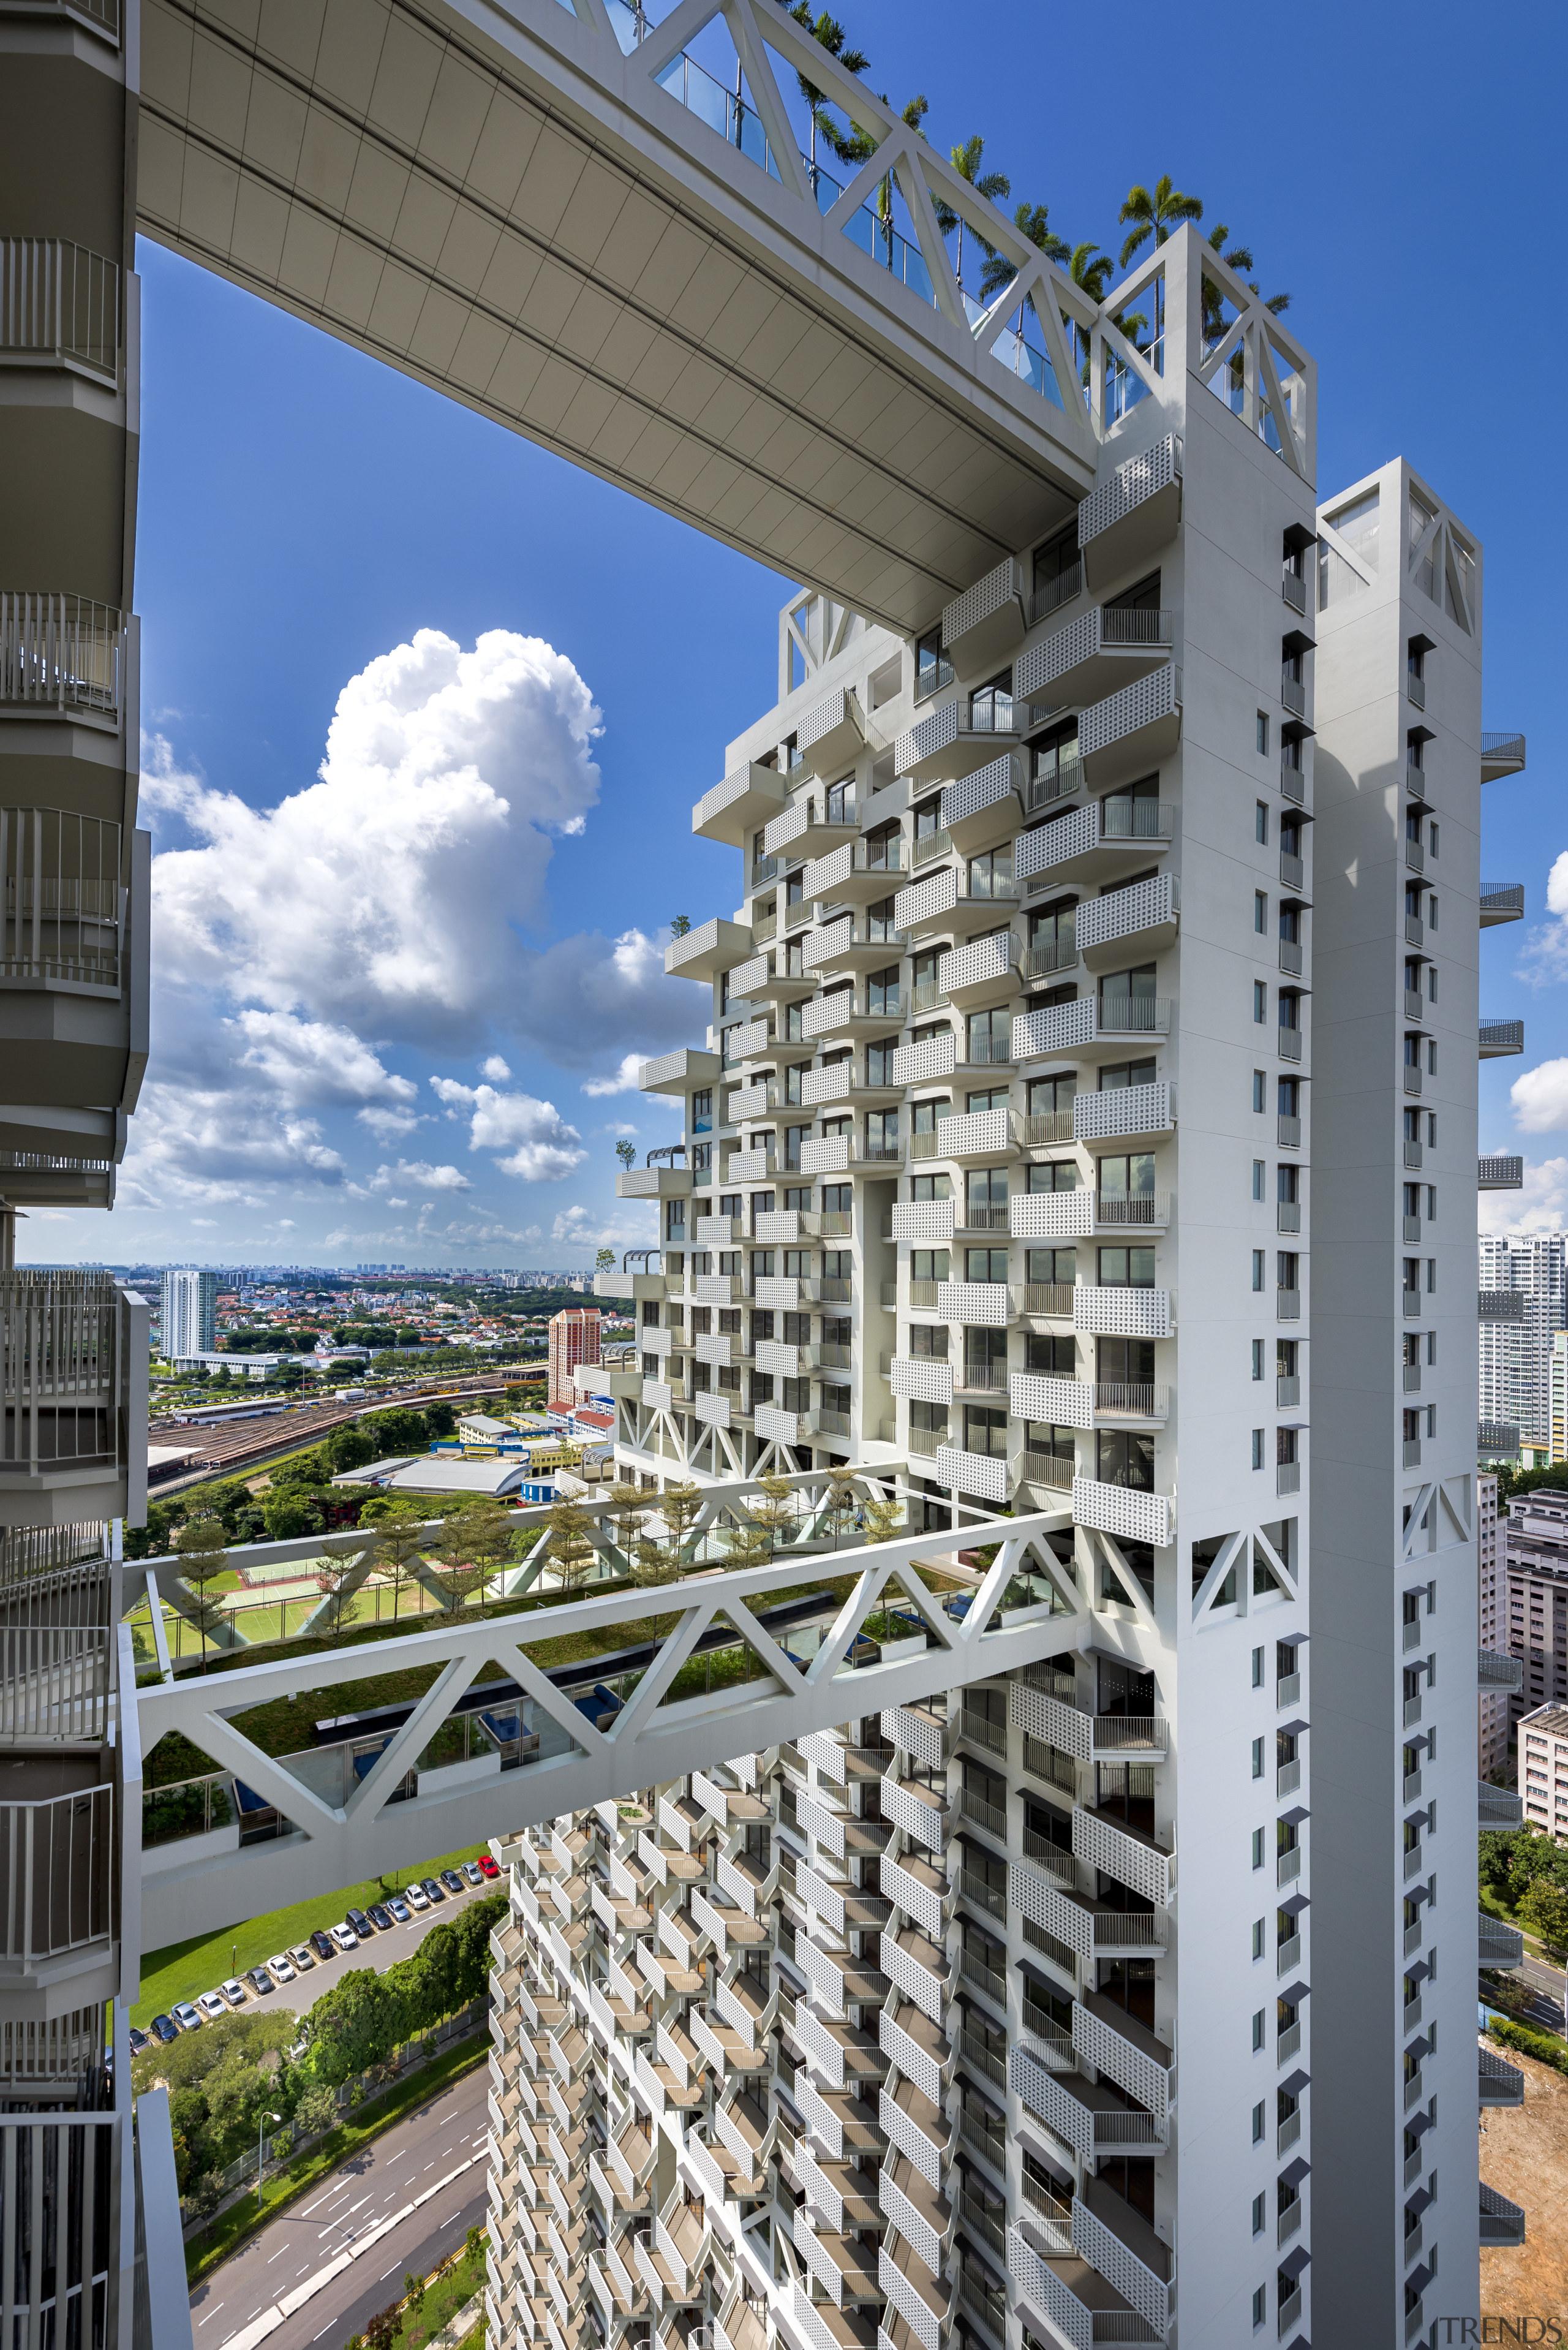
(395, 2157)
(386, 2273)
(277, 2255)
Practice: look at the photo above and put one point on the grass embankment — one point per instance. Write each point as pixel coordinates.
(182, 1969)
(442, 2300)
(216, 2241)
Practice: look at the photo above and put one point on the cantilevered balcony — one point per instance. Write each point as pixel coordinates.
(1133, 1858)
(986, 972)
(941, 906)
(748, 797)
(1502, 901)
(1498, 1672)
(846, 945)
(1125, 1113)
(805, 831)
(1068, 1215)
(917, 2127)
(75, 1376)
(980, 1476)
(1096, 842)
(831, 736)
(981, 626)
(1502, 2221)
(847, 1083)
(1086, 1403)
(1110, 1310)
(843, 1012)
(1094, 656)
(1126, 1511)
(1131, 732)
(1501, 1945)
(987, 807)
(1499, 1037)
(1499, 1173)
(1131, 515)
(653, 1183)
(856, 873)
(1501, 754)
(62, 655)
(1497, 2082)
(1094, 2118)
(961, 736)
(1125, 2051)
(919, 1064)
(1499, 1807)
(714, 947)
(921, 1379)
(1137, 922)
(1105, 1028)
(678, 1071)
(977, 1137)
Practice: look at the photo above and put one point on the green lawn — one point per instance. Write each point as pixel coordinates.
(183, 1968)
(443, 2299)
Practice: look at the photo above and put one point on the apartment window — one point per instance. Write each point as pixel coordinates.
(931, 666)
(1432, 910)
(1122, 1268)
(1258, 2121)
(1258, 1269)
(1257, 1758)
(1257, 1448)
(1258, 2032)
(1260, 2202)
(1258, 1683)
(1261, 912)
(1260, 1177)
(1432, 1273)
(1257, 1358)
(1260, 1002)
(1263, 734)
(1432, 842)
(1258, 1922)
(1431, 1057)
(1260, 2298)
(1260, 823)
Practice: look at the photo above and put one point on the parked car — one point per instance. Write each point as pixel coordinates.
(401, 1913)
(345, 1937)
(323, 1945)
(302, 1958)
(416, 1897)
(186, 2016)
(452, 1880)
(382, 1917)
(138, 2040)
(280, 1969)
(233, 1992)
(360, 1923)
(487, 1866)
(432, 1890)
(212, 2005)
(258, 1979)
(472, 1871)
(165, 2028)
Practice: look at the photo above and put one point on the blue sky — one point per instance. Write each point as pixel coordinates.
(304, 512)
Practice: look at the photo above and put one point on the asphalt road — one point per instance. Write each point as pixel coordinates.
(381, 1951)
(423, 2148)
(1545, 1985)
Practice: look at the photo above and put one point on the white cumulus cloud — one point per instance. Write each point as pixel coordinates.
(389, 1125)
(540, 1146)
(1539, 1098)
(496, 1069)
(317, 1061)
(1541, 1206)
(420, 1176)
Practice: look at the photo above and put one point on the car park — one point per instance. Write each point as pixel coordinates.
(258, 1979)
(345, 1937)
(280, 1969)
(360, 1923)
(416, 1897)
(233, 1992)
(382, 1917)
(302, 1958)
(138, 2040)
(165, 2028)
(323, 1945)
(211, 2005)
(452, 1880)
(487, 1866)
(188, 2017)
(472, 1871)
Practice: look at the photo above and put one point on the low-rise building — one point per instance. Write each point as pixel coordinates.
(1543, 1769)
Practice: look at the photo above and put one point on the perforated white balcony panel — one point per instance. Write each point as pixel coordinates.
(915, 1980)
(974, 1133)
(824, 1977)
(986, 1302)
(921, 1902)
(747, 1039)
(746, 976)
(1117, 1312)
(1059, 1028)
(824, 875)
(979, 1475)
(909, 2139)
(826, 1012)
(1037, 1898)
(1073, 834)
(934, 733)
(1048, 1718)
(1140, 478)
(1072, 2318)
(819, 1821)
(781, 1228)
(911, 2057)
(1062, 1403)
(982, 959)
(923, 901)
(912, 2222)
(1147, 701)
(1043, 2094)
(917, 1064)
(1125, 1109)
(781, 1362)
(1052, 1215)
(923, 2322)
(713, 1410)
(826, 1154)
(1122, 1510)
(923, 1221)
(981, 790)
(1132, 2069)
(1103, 1845)
(1122, 913)
(1120, 2267)
(908, 1811)
(776, 1427)
(919, 1378)
(834, 937)
(1002, 586)
(784, 830)
(836, 718)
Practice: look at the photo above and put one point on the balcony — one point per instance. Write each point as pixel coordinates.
(845, 946)
(1502, 901)
(1501, 754)
(62, 655)
(748, 797)
(1504, 1173)
(1095, 843)
(801, 833)
(1498, 2084)
(843, 1013)
(1132, 1858)
(831, 736)
(74, 1366)
(1500, 1305)
(1129, 517)
(984, 973)
(1105, 1028)
(921, 1892)
(917, 2127)
(1496, 1672)
(1086, 1403)
(919, 1969)
(939, 905)
(921, 1379)
(987, 807)
(1497, 1807)
(1502, 2222)
(923, 1063)
(1140, 919)
(957, 739)
(848, 1083)
(702, 953)
(653, 1183)
(1096, 654)
(855, 874)
(981, 626)
(1499, 1037)
(1123, 1510)
(1128, 1113)
(1109, 1311)
(1095, 2119)
(976, 1138)
(680, 1072)
(1132, 730)
(921, 2217)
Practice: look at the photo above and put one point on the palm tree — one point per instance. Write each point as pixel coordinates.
(830, 33)
(1155, 215)
(992, 186)
(1031, 221)
(1239, 259)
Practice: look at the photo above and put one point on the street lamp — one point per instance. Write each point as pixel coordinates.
(261, 2125)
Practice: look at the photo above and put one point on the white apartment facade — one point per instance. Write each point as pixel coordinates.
(1543, 1769)
(1491, 1631)
(1518, 1339)
(188, 1322)
(999, 1177)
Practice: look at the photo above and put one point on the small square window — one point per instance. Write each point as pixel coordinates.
(1263, 734)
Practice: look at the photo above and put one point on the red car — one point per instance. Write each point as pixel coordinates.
(487, 1866)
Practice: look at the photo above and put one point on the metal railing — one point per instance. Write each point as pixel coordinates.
(1048, 1297)
(59, 301)
(61, 651)
(932, 679)
(1046, 1469)
(1502, 897)
(1502, 1035)
(1061, 780)
(59, 874)
(56, 1868)
(1042, 1127)
(1059, 591)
